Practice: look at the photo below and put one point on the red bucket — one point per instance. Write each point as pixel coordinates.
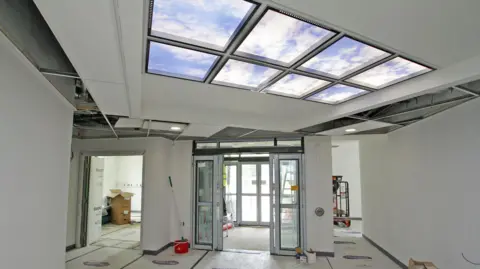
(181, 246)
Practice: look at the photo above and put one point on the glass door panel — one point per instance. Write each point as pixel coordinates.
(249, 179)
(289, 235)
(287, 213)
(230, 185)
(265, 209)
(249, 209)
(204, 194)
(265, 179)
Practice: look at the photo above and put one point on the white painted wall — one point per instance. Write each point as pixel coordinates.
(156, 197)
(182, 185)
(346, 163)
(129, 178)
(34, 159)
(110, 175)
(318, 177)
(421, 189)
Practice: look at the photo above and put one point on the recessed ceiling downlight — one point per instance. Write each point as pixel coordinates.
(351, 130)
(175, 128)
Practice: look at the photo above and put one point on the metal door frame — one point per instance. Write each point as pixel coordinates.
(216, 204)
(275, 202)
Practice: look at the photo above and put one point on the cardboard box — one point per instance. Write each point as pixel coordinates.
(412, 264)
(121, 203)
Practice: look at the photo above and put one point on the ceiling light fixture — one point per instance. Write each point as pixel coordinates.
(175, 128)
(351, 130)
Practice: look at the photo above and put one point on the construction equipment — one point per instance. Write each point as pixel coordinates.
(341, 202)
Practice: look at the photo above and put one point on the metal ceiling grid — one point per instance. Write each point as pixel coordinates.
(251, 20)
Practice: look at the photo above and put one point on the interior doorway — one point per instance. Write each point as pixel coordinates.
(252, 204)
(247, 223)
(112, 201)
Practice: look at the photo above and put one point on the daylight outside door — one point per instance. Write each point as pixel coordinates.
(254, 194)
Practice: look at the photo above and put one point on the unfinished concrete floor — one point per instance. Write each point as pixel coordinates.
(248, 238)
(132, 259)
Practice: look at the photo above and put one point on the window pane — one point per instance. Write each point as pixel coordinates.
(179, 62)
(252, 76)
(231, 204)
(337, 94)
(249, 178)
(344, 57)
(289, 235)
(288, 181)
(205, 181)
(246, 144)
(231, 178)
(282, 39)
(249, 208)
(204, 225)
(265, 209)
(296, 86)
(289, 143)
(389, 73)
(265, 187)
(206, 145)
(210, 23)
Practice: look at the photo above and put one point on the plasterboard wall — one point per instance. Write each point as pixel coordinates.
(182, 181)
(346, 163)
(318, 177)
(426, 194)
(156, 197)
(129, 178)
(110, 174)
(35, 157)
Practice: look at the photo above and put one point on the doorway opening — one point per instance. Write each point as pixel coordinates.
(249, 202)
(246, 223)
(112, 202)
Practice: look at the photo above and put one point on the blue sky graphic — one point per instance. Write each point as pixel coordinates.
(281, 39)
(395, 70)
(245, 74)
(210, 22)
(343, 57)
(336, 94)
(294, 85)
(174, 61)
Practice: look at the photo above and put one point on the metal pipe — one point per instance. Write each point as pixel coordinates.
(51, 72)
(109, 124)
(421, 108)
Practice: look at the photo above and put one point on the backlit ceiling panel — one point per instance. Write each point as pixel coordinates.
(282, 39)
(211, 23)
(241, 44)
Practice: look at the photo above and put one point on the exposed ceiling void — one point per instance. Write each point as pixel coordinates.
(224, 43)
(25, 27)
(245, 133)
(415, 109)
(472, 87)
(330, 125)
(91, 124)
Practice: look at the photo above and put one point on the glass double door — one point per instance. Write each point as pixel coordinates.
(254, 194)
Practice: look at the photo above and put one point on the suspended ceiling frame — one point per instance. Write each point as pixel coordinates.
(245, 29)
